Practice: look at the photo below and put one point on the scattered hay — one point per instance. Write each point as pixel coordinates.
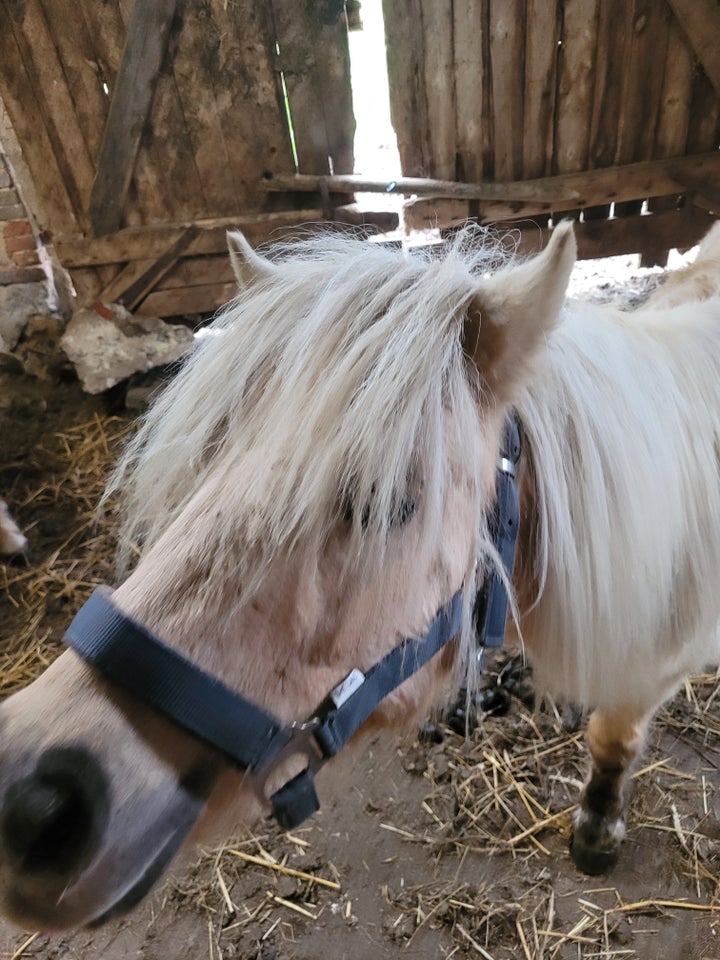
(43, 597)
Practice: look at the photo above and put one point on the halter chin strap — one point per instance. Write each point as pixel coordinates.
(128, 654)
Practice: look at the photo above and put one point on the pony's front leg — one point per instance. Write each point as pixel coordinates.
(614, 737)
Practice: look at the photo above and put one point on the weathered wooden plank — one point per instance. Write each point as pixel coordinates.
(199, 299)
(640, 104)
(673, 120)
(541, 64)
(700, 20)
(507, 46)
(40, 108)
(314, 58)
(76, 52)
(439, 80)
(105, 30)
(514, 190)
(650, 178)
(704, 120)
(195, 68)
(405, 43)
(615, 183)
(150, 242)
(614, 24)
(132, 98)
(165, 184)
(573, 109)
(472, 89)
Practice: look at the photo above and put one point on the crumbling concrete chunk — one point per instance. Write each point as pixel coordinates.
(109, 344)
(18, 302)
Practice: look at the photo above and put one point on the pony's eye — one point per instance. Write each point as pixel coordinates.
(399, 515)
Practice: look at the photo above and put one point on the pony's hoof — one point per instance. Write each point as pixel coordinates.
(592, 860)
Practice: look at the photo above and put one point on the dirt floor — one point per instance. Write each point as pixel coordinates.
(457, 848)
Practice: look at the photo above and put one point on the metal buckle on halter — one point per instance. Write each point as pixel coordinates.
(296, 800)
(507, 467)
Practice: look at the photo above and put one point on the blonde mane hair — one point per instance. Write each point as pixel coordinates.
(336, 380)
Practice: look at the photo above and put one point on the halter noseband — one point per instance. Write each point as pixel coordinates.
(128, 654)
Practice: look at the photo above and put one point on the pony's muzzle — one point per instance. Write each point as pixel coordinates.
(53, 819)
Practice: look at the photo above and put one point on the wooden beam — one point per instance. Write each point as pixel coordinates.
(132, 98)
(634, 181)
(610, 238)
(700, 19)
(151, 242)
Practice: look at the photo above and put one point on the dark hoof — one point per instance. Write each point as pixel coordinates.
(592, 860)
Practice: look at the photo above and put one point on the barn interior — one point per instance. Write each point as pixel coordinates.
(132, 137)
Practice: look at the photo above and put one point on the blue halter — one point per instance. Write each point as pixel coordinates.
(128, 654)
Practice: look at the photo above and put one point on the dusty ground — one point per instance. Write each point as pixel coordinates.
(451, 849)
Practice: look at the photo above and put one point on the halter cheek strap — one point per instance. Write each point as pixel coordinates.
(128, 654)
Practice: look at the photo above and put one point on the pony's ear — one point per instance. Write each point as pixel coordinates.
(513, 311)
(248, 266)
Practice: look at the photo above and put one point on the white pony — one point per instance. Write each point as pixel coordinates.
(262, 494)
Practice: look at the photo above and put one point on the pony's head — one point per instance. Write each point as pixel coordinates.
(310, 488)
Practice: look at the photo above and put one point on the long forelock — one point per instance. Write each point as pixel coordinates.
(335, 380)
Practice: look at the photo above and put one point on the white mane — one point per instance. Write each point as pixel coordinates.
(622, 416)
(340, 382)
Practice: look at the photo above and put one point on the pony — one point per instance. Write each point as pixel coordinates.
(13, 542)
(317, 483)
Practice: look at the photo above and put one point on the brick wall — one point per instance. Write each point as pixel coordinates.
(19, 255)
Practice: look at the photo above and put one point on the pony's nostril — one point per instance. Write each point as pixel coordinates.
(42, 821)
(52, 819)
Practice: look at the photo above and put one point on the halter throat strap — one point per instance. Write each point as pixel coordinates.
(125, 652)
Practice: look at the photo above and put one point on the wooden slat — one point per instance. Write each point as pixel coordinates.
(640, 103)
(472, 94)
(195, 67)
(105, 29)
(439, 81)
(614, 24)
(704, 119)
(76, 52)
(165, 184)
(673, 121)
(700, 19)
(132, 98)
(507, 45)
(541, 61)
(405, 42)
(315, 60)
(575, 86)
